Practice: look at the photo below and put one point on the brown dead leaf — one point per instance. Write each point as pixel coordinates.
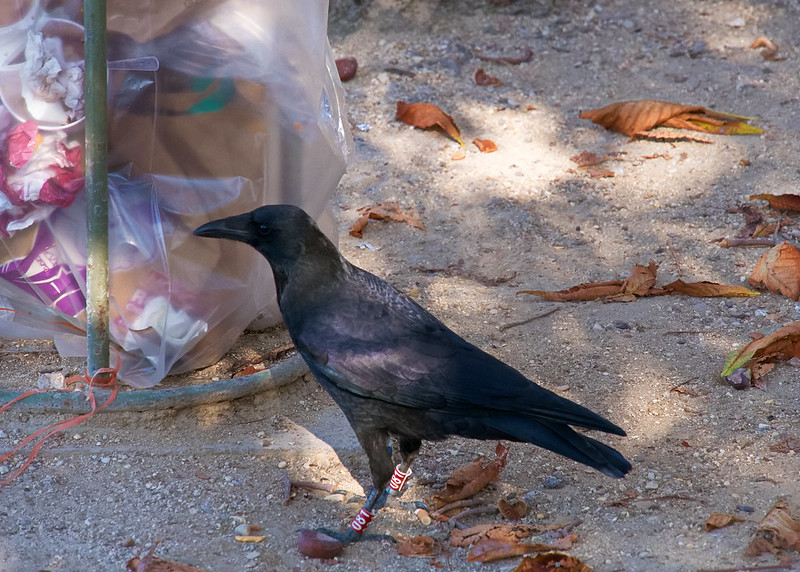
(426, 115)
(512, 510)
(422, 545)
(358, 227)
(588, 159)
(580, 293)
(721, 520)
(600, 173)
(684, 390)
(551, 562)
(707, 289)
(786, 445)
(505, 532)
(489, 550)
(151, 563)
(770, 51)
(484, 79)
(782, 344)
(388, 210)
(485, 145)
(786, 201)
(634, 117)
(459, 155)
(471, 478)
(778, 270)
(776, 533)
(641, 280)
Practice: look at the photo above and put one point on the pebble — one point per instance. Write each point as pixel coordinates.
(105, 460)
(282, 465)
(252, 555)
(553, 482)
(363, 127)
(651, 485)
(745, 508)
(77, 436)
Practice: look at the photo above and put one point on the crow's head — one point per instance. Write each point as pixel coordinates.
(287, 237)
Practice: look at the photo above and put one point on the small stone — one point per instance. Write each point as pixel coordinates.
(105, 460)
(737, 23)
(620, 325)
(252, 555)
(745, 508)
(77, 436)
(555, 481)
(651, 485)
(282, 465)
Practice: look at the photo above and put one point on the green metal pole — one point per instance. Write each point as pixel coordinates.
(94, 19)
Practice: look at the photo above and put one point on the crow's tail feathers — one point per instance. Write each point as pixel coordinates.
(565, 441)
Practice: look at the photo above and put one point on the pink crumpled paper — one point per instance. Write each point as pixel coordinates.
(38, 172)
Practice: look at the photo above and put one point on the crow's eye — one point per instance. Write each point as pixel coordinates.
(264, 230)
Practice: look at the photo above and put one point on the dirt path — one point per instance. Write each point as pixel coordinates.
(523, 217)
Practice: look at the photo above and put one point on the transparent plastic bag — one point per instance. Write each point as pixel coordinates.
(244, 109)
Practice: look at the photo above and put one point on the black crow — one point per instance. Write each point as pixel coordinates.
(395, 370)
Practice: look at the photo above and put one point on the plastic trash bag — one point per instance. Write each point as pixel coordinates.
(215, 107)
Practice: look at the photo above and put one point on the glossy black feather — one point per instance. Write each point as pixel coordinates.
(392, 367)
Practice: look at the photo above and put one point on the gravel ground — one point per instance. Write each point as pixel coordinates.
(524, 217)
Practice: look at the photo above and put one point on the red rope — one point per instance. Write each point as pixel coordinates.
(104, 378)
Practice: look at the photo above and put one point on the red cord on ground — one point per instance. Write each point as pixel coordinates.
(105, 378)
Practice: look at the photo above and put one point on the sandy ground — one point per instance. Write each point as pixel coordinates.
(523, 217)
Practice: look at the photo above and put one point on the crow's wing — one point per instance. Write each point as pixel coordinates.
(371, 340)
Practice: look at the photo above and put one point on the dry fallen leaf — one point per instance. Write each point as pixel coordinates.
(778, 270)
(637, 116)
(426, 115)
(780, 345)
(776, 533)
(485, 145)
(786, 445)
(512, 510)
(770, 52)
(588, 159)
(151, 563)
(786, 201)
(422, 545)
(388, 210)
(640, 283)
(471, 478)
(489, 550)
(504, 532)
(721, 520)
(708, 289)
(459, 155)
(484, 79)
(551, 562)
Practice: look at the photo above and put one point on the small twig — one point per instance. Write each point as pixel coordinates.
(457, 504)
(477, 510)
(399, 71)
(622, 502)
(678, 332)
(505, 327)
(732, 242)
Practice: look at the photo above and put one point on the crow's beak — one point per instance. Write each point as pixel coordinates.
(233, 228)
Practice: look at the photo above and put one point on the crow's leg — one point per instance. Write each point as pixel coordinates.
(386, 480)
